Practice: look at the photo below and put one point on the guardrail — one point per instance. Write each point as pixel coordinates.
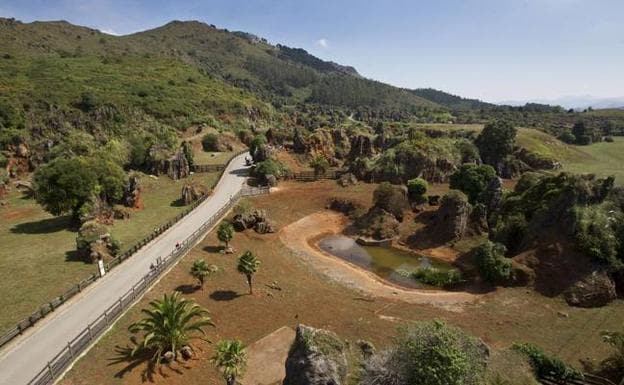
(57, 365)
(50, 306)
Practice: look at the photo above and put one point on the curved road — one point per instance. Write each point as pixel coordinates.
(30, 353)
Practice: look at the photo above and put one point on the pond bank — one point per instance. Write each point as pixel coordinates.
(301, 237)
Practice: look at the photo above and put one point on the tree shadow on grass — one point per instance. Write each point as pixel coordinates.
(224, 295)
(187, 289)
(45, 226)
(177, 203)
(75, 256)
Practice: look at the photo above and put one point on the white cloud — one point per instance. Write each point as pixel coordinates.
(323, 43)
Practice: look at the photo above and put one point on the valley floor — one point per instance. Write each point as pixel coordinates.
(306, 296)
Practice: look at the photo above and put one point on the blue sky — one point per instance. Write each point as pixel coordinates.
(496, 50)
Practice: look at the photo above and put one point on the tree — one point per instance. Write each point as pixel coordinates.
(320, 165)
(230, 358)
(428, 353)
(210, 142)
(492, 264)
(169, 325)
(583, 134)
(258, 148)
(473, 180)
(200, 270)
(496, 142)
(63, 185)
(417, 188)
(225, 233)
(248, 265)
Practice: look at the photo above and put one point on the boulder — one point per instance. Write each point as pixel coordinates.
(192, 192)
(161, 162)
(362, 146)
(317, 357)
(264, 227)
(271, 180)
(454, 215)
(256, 219)
(366, 347)
(186, 352)
(595, 290)
(94, 242)
(377, 223)
(168, 357)
(132, 193)
(347, 179)
(344, 206)
(522, 275)
(21, 151)
(178, 166)
(494, 193)
(299, 144)
(433, 200)
(121, 212)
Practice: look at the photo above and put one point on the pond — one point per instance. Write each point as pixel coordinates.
(389, 263)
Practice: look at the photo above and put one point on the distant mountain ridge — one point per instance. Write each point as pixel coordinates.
(578, 102)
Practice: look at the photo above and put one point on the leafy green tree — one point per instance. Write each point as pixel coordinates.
(210, 142)
(63, 185)
(428, 353)
(496, 141)
(492, 264)
(230, 358)
(248, 265)
(417, 188)
(225, 233)
(320, 165)
(200, 270)
(258, 148)
(583, 134)
(3, 161)
(473, 181)
(111, 178)
(169, 325)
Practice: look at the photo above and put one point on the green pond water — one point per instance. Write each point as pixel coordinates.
(388, 263)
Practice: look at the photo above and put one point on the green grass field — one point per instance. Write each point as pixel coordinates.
(36, 259)
(602, 159)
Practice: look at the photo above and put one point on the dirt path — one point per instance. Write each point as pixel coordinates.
(296, 237)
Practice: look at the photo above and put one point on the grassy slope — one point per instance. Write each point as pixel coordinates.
(34, 264)
(602, 159)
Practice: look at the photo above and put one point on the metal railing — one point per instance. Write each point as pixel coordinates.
(57, 365)
(51, 305)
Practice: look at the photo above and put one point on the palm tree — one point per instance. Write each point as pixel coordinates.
(248, 265)
(231, 359)
(225, 233)
(170, 324)
(199, 271)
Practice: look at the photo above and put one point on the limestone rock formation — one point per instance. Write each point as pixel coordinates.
(362, 146)
(94, 242)
(256, 219)
(454, 215)
(347, 179)
(378, 224)
(192, 192)
(597, 289)
(176, 166)
(132, 193)
(317, 357)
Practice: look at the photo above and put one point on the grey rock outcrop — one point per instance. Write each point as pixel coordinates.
(191, 193)
(256, 219)
(595, 290)
(317, 357)
(454, 215)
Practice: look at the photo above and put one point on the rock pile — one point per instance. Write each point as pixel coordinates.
(256, 219)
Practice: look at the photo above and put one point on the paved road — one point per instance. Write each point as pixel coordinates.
(24, 358)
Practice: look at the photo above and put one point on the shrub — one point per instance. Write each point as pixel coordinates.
(428, 353)
(609, 139)
(567, 136)
(257, 148)
(3, 161)
(417, 188)
(511, 231)
(270, 167)
(210, 142)
(544, 364)
(438, 277)
(597, 233)
(496, 141)
(319, 164)
(473, 180)
(492, 264)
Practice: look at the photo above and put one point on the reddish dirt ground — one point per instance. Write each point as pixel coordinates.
(306, 296)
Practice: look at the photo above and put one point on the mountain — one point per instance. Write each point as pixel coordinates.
(278, 73)
(451, 101)
(578, 102)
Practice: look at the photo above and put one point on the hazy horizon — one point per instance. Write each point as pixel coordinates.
(496, 51)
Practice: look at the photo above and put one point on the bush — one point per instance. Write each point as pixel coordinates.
(270, 167)
(319, 164)
(257, 148)
(3, 161)
(473, 180)
(567, 136)
(417, 188)
(598, 230)
(438, 277)
(496, 141)
(511, 231)
(609, 139)
(210, 142)
(544, 364)
(492, 264)
(428, 353)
